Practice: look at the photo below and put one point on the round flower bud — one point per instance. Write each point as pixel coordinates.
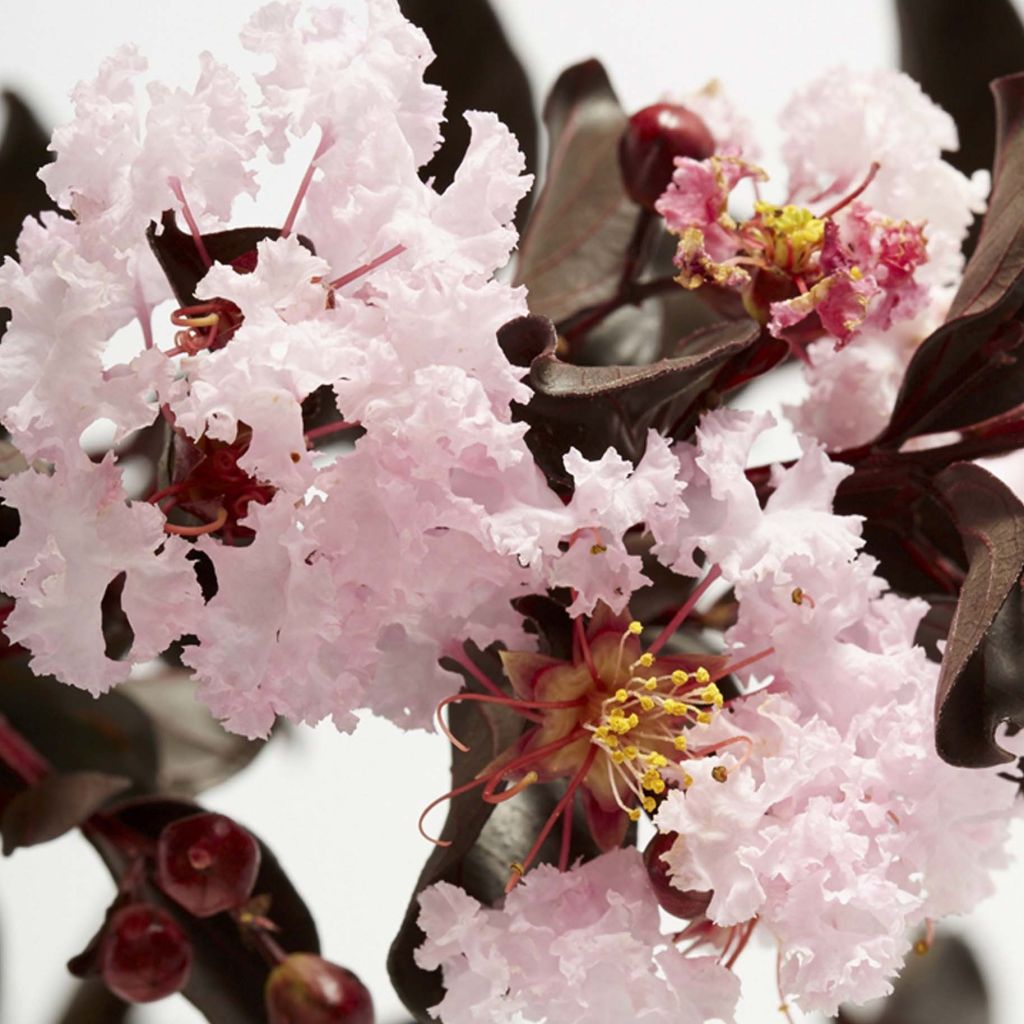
(653, 139)
(144, 954)
(305, 989)
(678, 902)
(207, 863)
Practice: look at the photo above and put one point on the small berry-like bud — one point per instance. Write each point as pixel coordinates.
(207, 863)
(305, 989)
(144, 955)
(679, 903)
(653, 139)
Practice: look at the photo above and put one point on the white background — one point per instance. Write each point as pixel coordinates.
(351, 845)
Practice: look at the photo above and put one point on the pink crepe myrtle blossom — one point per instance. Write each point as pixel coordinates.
(571, 946)
(837, 828)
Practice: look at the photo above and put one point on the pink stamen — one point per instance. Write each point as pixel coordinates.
(833, 210)
(326, 141)
(715, 747)
(457, 654)
(742, 944)
(522, 706)
(524, 760)
(745, 663)
(330, 428)
(198, 531)
(680, 616)
(157, 496)
(570, 792)
(352, 275)
(563, 853)
(458, 791)
(580, 638)
(175, 184)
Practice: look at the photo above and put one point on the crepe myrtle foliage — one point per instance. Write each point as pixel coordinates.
(389, 455)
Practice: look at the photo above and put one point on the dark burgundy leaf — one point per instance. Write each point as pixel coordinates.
(195, 751)
(176, 251)
(955, 50)
(478, 69)
(227, 978)
(575, 244)
(22, 152)
(972, 363)
(594, 407)
(981, 683)
(943, 986)
(75, 731)
(56, 805)
(485, 839)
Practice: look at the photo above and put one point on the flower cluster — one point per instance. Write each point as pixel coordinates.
(348, 494)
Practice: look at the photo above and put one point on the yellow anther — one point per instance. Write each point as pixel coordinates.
(634, 814)
(636, 628)
(618, 757)
(797, 597)
(621, 696)
(676, 707)
(650, 803)
(601, 732)
(856, 273)
(634, 720)
(679, 743)
(646, 659)
(687, 780)
(612, 742)
(702, 675)
(659, 786)
(679, 677)
(616, 713)
(719, 773)
(631, 752)
(704, 717)
(598, 549)
(657, 760)
(650, 685)
(517, 868)
(647, 703)
(713, 695)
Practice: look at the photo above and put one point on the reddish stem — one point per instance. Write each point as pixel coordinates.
(175, 184)
(353, 275)
(330, 428)
(680, 616)
(326, 141)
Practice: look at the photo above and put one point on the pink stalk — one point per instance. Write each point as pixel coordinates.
(326, 141)
(175, 184)
(352, 275)
(680, 616)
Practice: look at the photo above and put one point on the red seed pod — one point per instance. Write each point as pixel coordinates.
(654, 137)
(144, 955)
(680, 903)
(305, 989)
(207, 863)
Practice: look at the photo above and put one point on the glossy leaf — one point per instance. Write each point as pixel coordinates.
(574, 246)
(981, 683)
(593, 407)
(478, 69)
(57, 804)
(485, 838)
(227, 978)
(971, 367)
(93, 1003)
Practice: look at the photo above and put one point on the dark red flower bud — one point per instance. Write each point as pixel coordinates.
(678, 902)
(144, 955)
(207, 863)
(305, 989)
(653, 139)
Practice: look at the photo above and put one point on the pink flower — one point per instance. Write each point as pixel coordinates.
(569, 947)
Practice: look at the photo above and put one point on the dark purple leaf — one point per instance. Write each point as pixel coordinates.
(56, 805)
(75, 731)
(176, 252)
(94, 1003)
(981, 683)
(227, 978)
(485, 839)
(970, 368)
(22, 152)
(594, 407)
(478, 69)
(574, 247)
(955, 50)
